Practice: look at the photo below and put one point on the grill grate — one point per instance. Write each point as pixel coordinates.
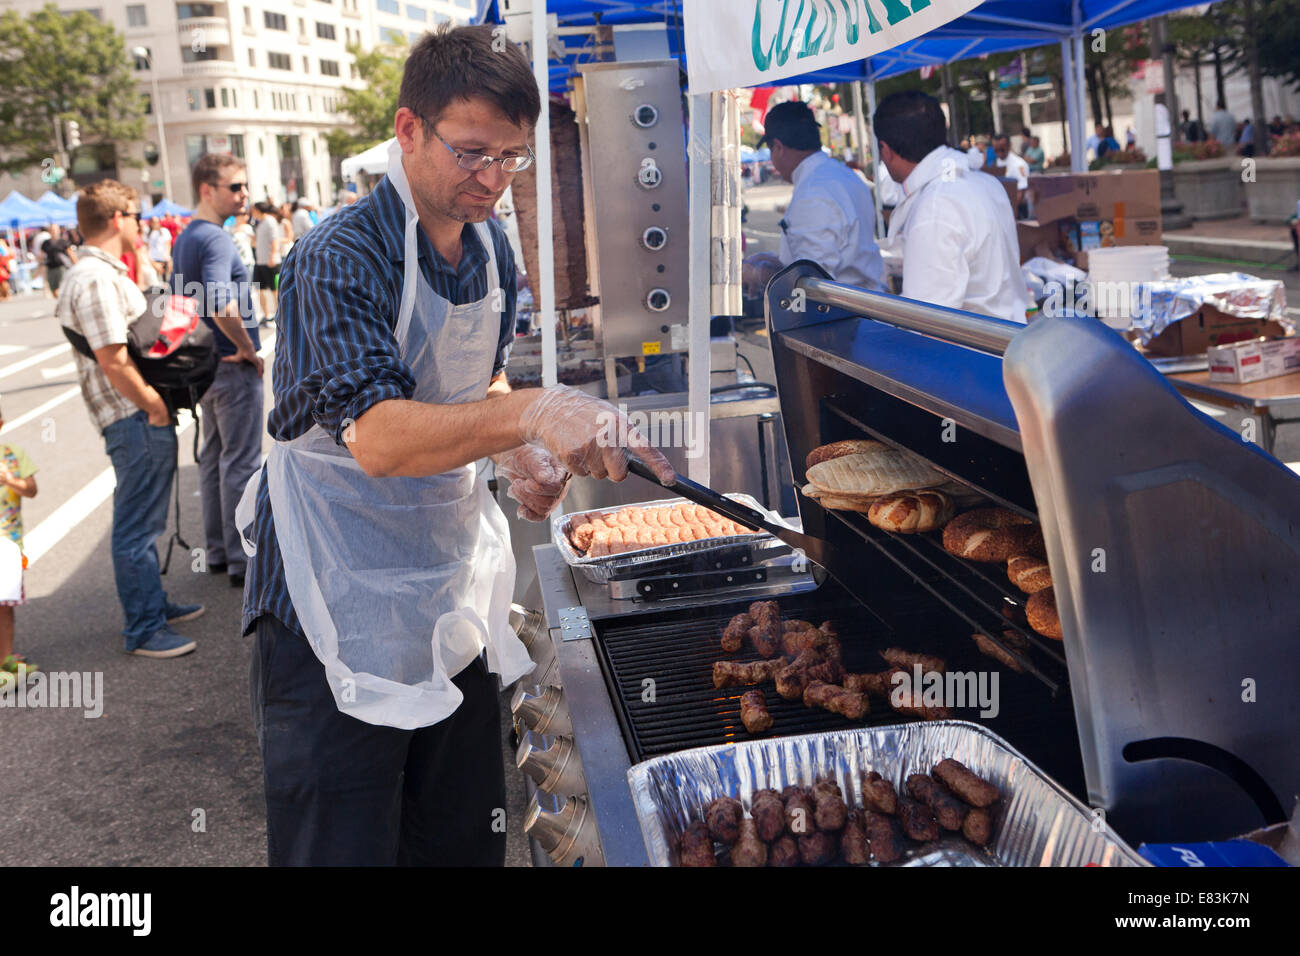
(675, 650)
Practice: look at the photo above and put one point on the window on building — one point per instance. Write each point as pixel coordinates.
(191, 55)
(309, 104)
(388, 6)
(248, 16)
(356, 74)
(193, 100)
(136, 15)
(329, 67)
(275, 21)
(414, 36)
(389, 35)
(252, 58)
(142, 62)
(237, 145)
(195, 146)
(255, 106)
(210, 98)
(148, 104)
(225, 97)
(187, 11)
(306, 64)
(416, 13)
(325, 31)
(279, 61)
(440, 18)
(302, 27)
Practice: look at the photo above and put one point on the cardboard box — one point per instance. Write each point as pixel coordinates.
(1047, 239)
(1254, 361)
(1208, 327)
(1130, 194)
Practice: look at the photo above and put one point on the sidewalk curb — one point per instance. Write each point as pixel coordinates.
(1261, 251)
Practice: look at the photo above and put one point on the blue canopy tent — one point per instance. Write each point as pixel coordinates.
(168, 208)
(19, 212)
(62, 212)
(995, 26)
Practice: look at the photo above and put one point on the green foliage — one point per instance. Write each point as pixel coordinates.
(64, 67)
(372, 106)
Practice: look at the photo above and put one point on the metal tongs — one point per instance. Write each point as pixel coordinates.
(819, 552)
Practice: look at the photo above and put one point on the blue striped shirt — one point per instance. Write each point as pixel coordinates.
(335, 354)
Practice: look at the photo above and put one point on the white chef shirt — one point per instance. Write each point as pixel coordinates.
(830, 220)
(1016, 168)
(958, 238)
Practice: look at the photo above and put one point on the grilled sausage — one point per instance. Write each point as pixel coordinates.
(965, 784)
(816, 848)
(885, 835)
(735, 673)
(762, 609)
(978, 826)
(749, 850)
(754, 713)
(784, 852)
(829, 811)
(723, 818)
(799, 818)
(768, 810)
(948, 811)
(907, 660)
(853, 841)
(878, 794)
(733, 636)
(917, 820)
(835, 699)
(766, 636)
(697, 846)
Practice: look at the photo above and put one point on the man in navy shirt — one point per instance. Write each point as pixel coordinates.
(206, 267)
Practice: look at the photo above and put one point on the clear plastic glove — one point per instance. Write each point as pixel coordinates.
(589, 436)
(537, 481)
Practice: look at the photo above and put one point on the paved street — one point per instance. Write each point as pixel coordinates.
(175, 737)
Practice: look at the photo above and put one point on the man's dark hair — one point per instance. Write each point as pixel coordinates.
(209, 169)
(1001, 137)
(911, 123)
(456, 63)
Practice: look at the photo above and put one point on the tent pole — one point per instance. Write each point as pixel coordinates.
(875, 158)
(860, 129)
(699, 151)
(544, 290)
(1079, 165)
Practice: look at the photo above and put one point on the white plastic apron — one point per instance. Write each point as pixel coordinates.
(399, 583)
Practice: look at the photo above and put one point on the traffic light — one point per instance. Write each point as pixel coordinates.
(74, 134)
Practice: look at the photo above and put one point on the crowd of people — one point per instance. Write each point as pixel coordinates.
(99, 275)
(1226, 129)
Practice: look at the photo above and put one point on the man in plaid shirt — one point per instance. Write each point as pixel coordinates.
(99, 301)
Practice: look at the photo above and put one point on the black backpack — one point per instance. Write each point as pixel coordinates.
(171, 346)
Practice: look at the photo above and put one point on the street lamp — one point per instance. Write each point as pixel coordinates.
(143, 54)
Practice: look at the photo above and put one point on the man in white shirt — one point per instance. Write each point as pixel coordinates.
(1223, 126)
(955, 227)
(1014, 164)
(831, 216)
(301, 219)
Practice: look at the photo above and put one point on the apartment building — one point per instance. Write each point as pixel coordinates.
(261, 79)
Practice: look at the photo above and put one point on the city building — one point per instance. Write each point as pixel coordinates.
(261, 79)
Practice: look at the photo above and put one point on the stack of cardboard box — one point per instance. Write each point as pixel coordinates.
(1075, 212)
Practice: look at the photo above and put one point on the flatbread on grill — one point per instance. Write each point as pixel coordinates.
(878, 471)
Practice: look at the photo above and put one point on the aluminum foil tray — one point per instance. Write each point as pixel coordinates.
(602, 569)
(1038, 823)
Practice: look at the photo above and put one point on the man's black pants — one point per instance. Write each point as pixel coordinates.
(341, 792)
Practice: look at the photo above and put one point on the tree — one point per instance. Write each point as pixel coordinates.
(60, 68)
(372, 106)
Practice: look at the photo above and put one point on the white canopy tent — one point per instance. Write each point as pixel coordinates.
(373, 162)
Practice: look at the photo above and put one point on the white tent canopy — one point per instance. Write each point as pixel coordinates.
(373, 161)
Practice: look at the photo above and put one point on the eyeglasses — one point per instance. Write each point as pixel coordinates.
(133, 215)
(237, 187)
(477, 162)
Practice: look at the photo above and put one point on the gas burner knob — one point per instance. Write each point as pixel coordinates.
(568, 835)
(649, 176)
(527, 624)
(645, 115)
(553, 763)
(541, 709)
(658, 300)
(654, 238)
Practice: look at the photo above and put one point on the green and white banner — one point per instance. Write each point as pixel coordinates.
(731, 43)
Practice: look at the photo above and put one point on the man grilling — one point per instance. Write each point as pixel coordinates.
(381, 581)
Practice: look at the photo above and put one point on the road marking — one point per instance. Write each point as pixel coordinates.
(59, 371)
(11, 349)
(40, 410)
(36, 359)
(38, 542)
